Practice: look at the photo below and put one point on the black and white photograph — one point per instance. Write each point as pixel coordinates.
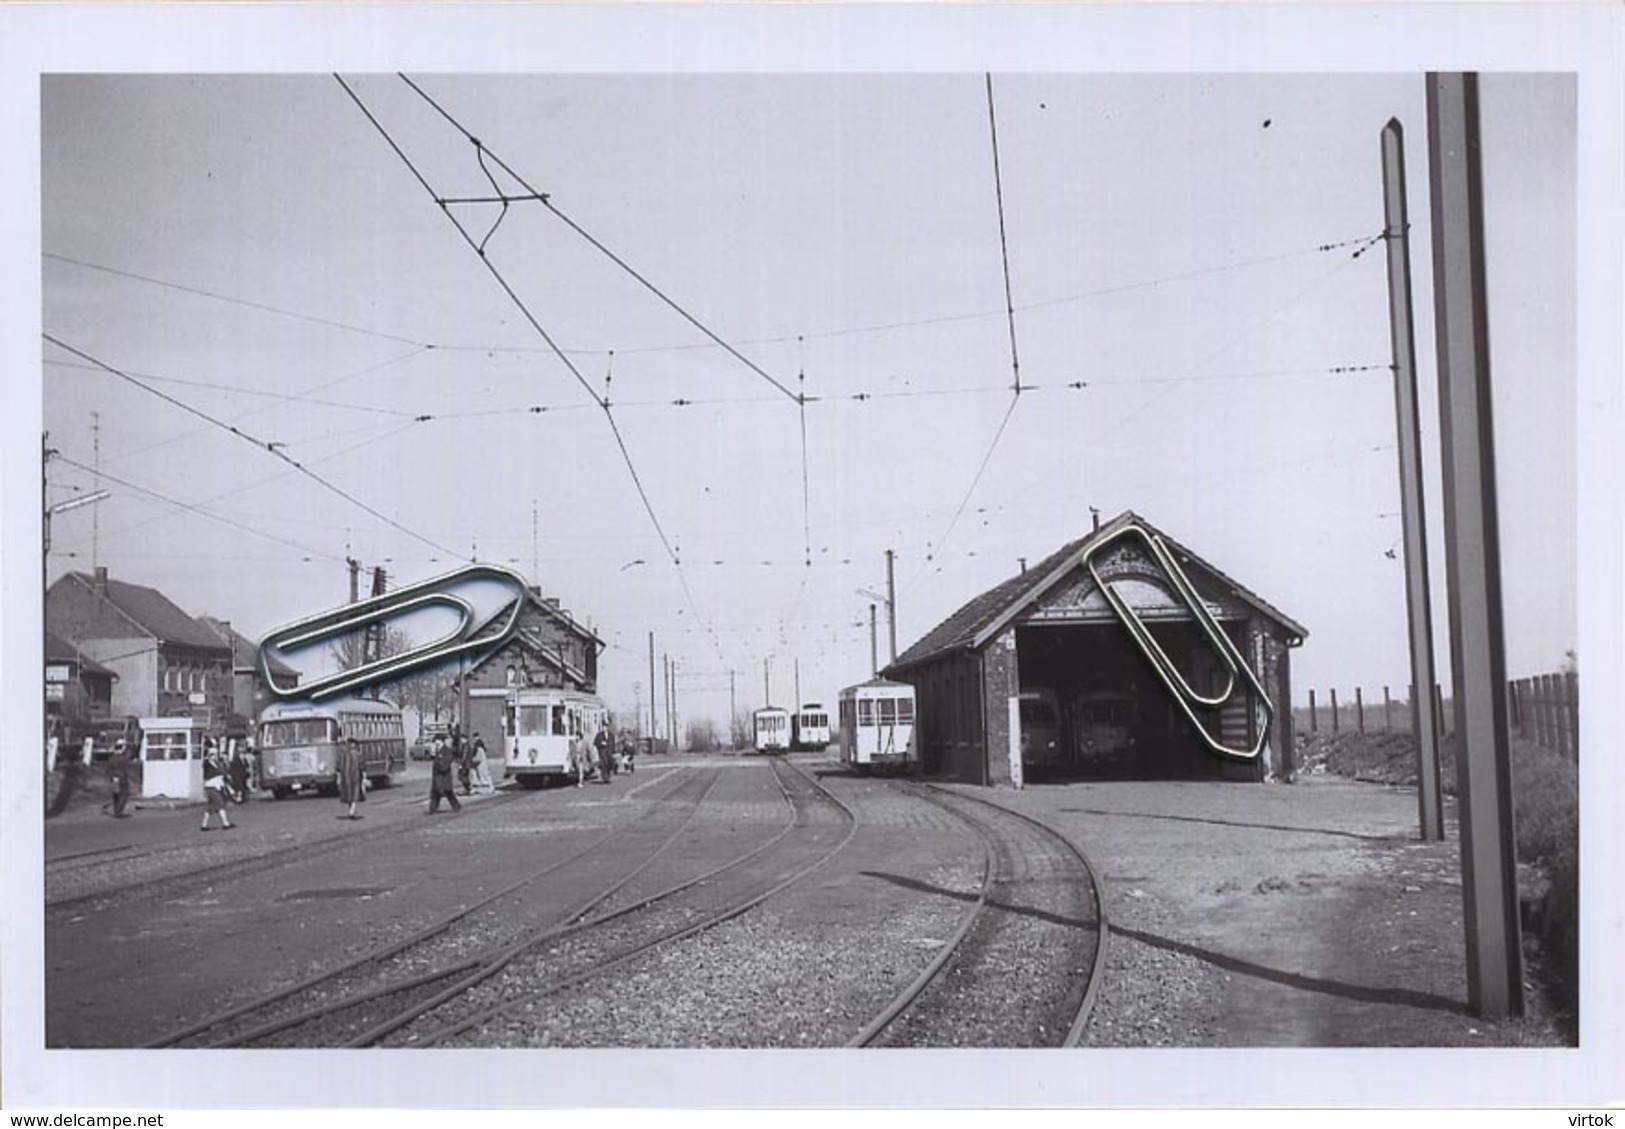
(993, 553)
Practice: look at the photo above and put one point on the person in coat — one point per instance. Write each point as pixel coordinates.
(441, 783)
(482, 773)
(214, 785)
(606, 754)
(120, 767)
(351, 779)
(237, 773)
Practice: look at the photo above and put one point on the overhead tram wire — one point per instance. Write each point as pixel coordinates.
(1015, 360)
(209, 501)
(479, 250)
(269, 448)
(547, 203)
(199, 292)
(196, 508)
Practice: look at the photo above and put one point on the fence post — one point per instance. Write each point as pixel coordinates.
(1543, 714)
(1387, 711)
(1314, 724)
(1359, 710)
(1334, 709)
(1571, 687)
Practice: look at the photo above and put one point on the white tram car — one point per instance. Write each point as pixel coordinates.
(877, 726)
(772, 728)
(809, 729)
(540, 728)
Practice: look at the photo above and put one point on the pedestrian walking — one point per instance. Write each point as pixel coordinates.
(119, 768)
(579, 759)
(251, 755)
(440, 777)
(237, 772)
(214, 786)
(629, 752)
(482, 772)
(606, 757)
(352, 779)
(464, 752)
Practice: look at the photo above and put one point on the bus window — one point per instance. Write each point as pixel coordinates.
(887, 711)
(905, 711)
(532, 721)
(297, 731)
(866, 711)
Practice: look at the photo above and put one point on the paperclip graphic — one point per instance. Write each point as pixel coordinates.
(352, 617)
(1182, 691)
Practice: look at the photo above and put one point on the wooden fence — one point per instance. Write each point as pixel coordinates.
(1544, 709)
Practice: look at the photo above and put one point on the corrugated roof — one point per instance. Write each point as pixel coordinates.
(156, 613)
(58, 649)
(961, 629)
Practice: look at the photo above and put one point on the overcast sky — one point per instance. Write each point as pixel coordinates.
(1165, 241)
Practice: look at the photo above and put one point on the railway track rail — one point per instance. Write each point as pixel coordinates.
(629, 934)
(354, 982)
(236, 867)
(1011, 949)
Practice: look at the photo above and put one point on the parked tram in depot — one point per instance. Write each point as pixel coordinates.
(809, 729)
(772, 728)
(299, 743)
(540, 726)
(877, 726)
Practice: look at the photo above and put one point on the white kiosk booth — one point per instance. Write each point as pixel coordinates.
(172, 757)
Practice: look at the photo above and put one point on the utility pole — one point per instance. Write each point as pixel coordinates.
(676, 722)
(733, 711)
(891, 599)
(355, 578)
(1472, 549)
(654, 730)
(665, 692)
(767, 684)
(796, 705)
(95, 482)
(1413, 512)
(874, 655)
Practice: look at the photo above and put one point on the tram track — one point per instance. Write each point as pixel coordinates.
(996, 955)
(440, 944)
(623, 936)
(238, 865)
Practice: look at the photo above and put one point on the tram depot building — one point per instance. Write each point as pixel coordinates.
(1049, 639)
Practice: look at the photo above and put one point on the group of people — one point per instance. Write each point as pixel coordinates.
(600, 758)
(457, 762)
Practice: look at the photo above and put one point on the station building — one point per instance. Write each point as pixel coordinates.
(1045, 656)
(167, 663)
(549, 648)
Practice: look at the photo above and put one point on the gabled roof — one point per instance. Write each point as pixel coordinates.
(989, 612)
(60, 650)
(152, 611)
(534, 597)
(244, 653)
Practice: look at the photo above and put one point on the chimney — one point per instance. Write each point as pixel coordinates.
(1023, 561)
(1095, 513)
(98, 583)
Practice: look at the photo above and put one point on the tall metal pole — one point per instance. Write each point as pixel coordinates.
(733, 712)
(676, 740)
(1472, 549)
(891, 599)
(654, 730)
(665, 691)
(1419, 605)
(795, 705)
(767, 683)
(874, 655)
